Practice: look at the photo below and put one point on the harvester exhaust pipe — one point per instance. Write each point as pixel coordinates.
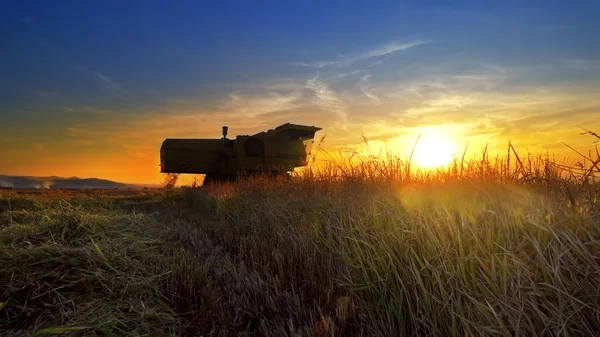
(224, 133)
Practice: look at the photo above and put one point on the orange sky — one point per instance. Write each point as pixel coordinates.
(129, 151)
(121, 145)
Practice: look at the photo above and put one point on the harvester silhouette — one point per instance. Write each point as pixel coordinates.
(273, 152)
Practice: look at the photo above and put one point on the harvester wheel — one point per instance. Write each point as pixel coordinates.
(211, 179)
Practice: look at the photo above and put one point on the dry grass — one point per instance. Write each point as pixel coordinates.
(82, 268)
(488, 247)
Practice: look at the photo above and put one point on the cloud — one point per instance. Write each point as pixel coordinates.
(366, 90)
(381, 50)
(534, 119)
(346, 74)
(113, 87)
(325, 98)
(317, 64)
(388, 48)
(110, 85)
(586, 65)
(278, 84)
(255, 106)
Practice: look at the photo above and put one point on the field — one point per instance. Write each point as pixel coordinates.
(488, 247)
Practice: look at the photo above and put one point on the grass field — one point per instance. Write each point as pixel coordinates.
(488, 247)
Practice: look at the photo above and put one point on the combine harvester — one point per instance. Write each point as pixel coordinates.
(274, 152)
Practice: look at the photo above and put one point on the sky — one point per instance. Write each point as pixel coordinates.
(92, 88)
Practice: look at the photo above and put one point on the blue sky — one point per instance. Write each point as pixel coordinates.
(87, 84)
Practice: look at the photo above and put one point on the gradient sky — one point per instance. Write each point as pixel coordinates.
(91, 88)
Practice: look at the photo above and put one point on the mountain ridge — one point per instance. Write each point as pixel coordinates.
(56, 182)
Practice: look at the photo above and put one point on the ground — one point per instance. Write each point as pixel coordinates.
(298, 257)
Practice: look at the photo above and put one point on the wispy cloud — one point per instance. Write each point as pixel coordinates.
(278, 84)
(389, 48)
(252, 106)
(585, 65)
(317, 64)
(366, 90)
(381, 50)
(325, 98)
(113, 87)
(346, 74)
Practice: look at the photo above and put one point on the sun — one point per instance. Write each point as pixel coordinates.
(434, 150)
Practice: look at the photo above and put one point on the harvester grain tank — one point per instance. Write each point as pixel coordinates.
(276, 151)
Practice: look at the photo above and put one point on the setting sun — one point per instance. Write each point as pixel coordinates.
(433, 150)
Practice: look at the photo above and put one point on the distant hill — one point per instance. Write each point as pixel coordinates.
(53, 182)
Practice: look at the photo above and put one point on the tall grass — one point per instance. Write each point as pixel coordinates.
(502, 246)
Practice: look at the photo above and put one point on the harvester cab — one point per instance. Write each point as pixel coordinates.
(276, 151)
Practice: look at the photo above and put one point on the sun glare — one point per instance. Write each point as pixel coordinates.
(434, 150)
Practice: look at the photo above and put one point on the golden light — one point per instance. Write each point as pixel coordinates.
(434, 149)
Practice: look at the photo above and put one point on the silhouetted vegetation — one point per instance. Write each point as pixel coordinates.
(365, 247)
